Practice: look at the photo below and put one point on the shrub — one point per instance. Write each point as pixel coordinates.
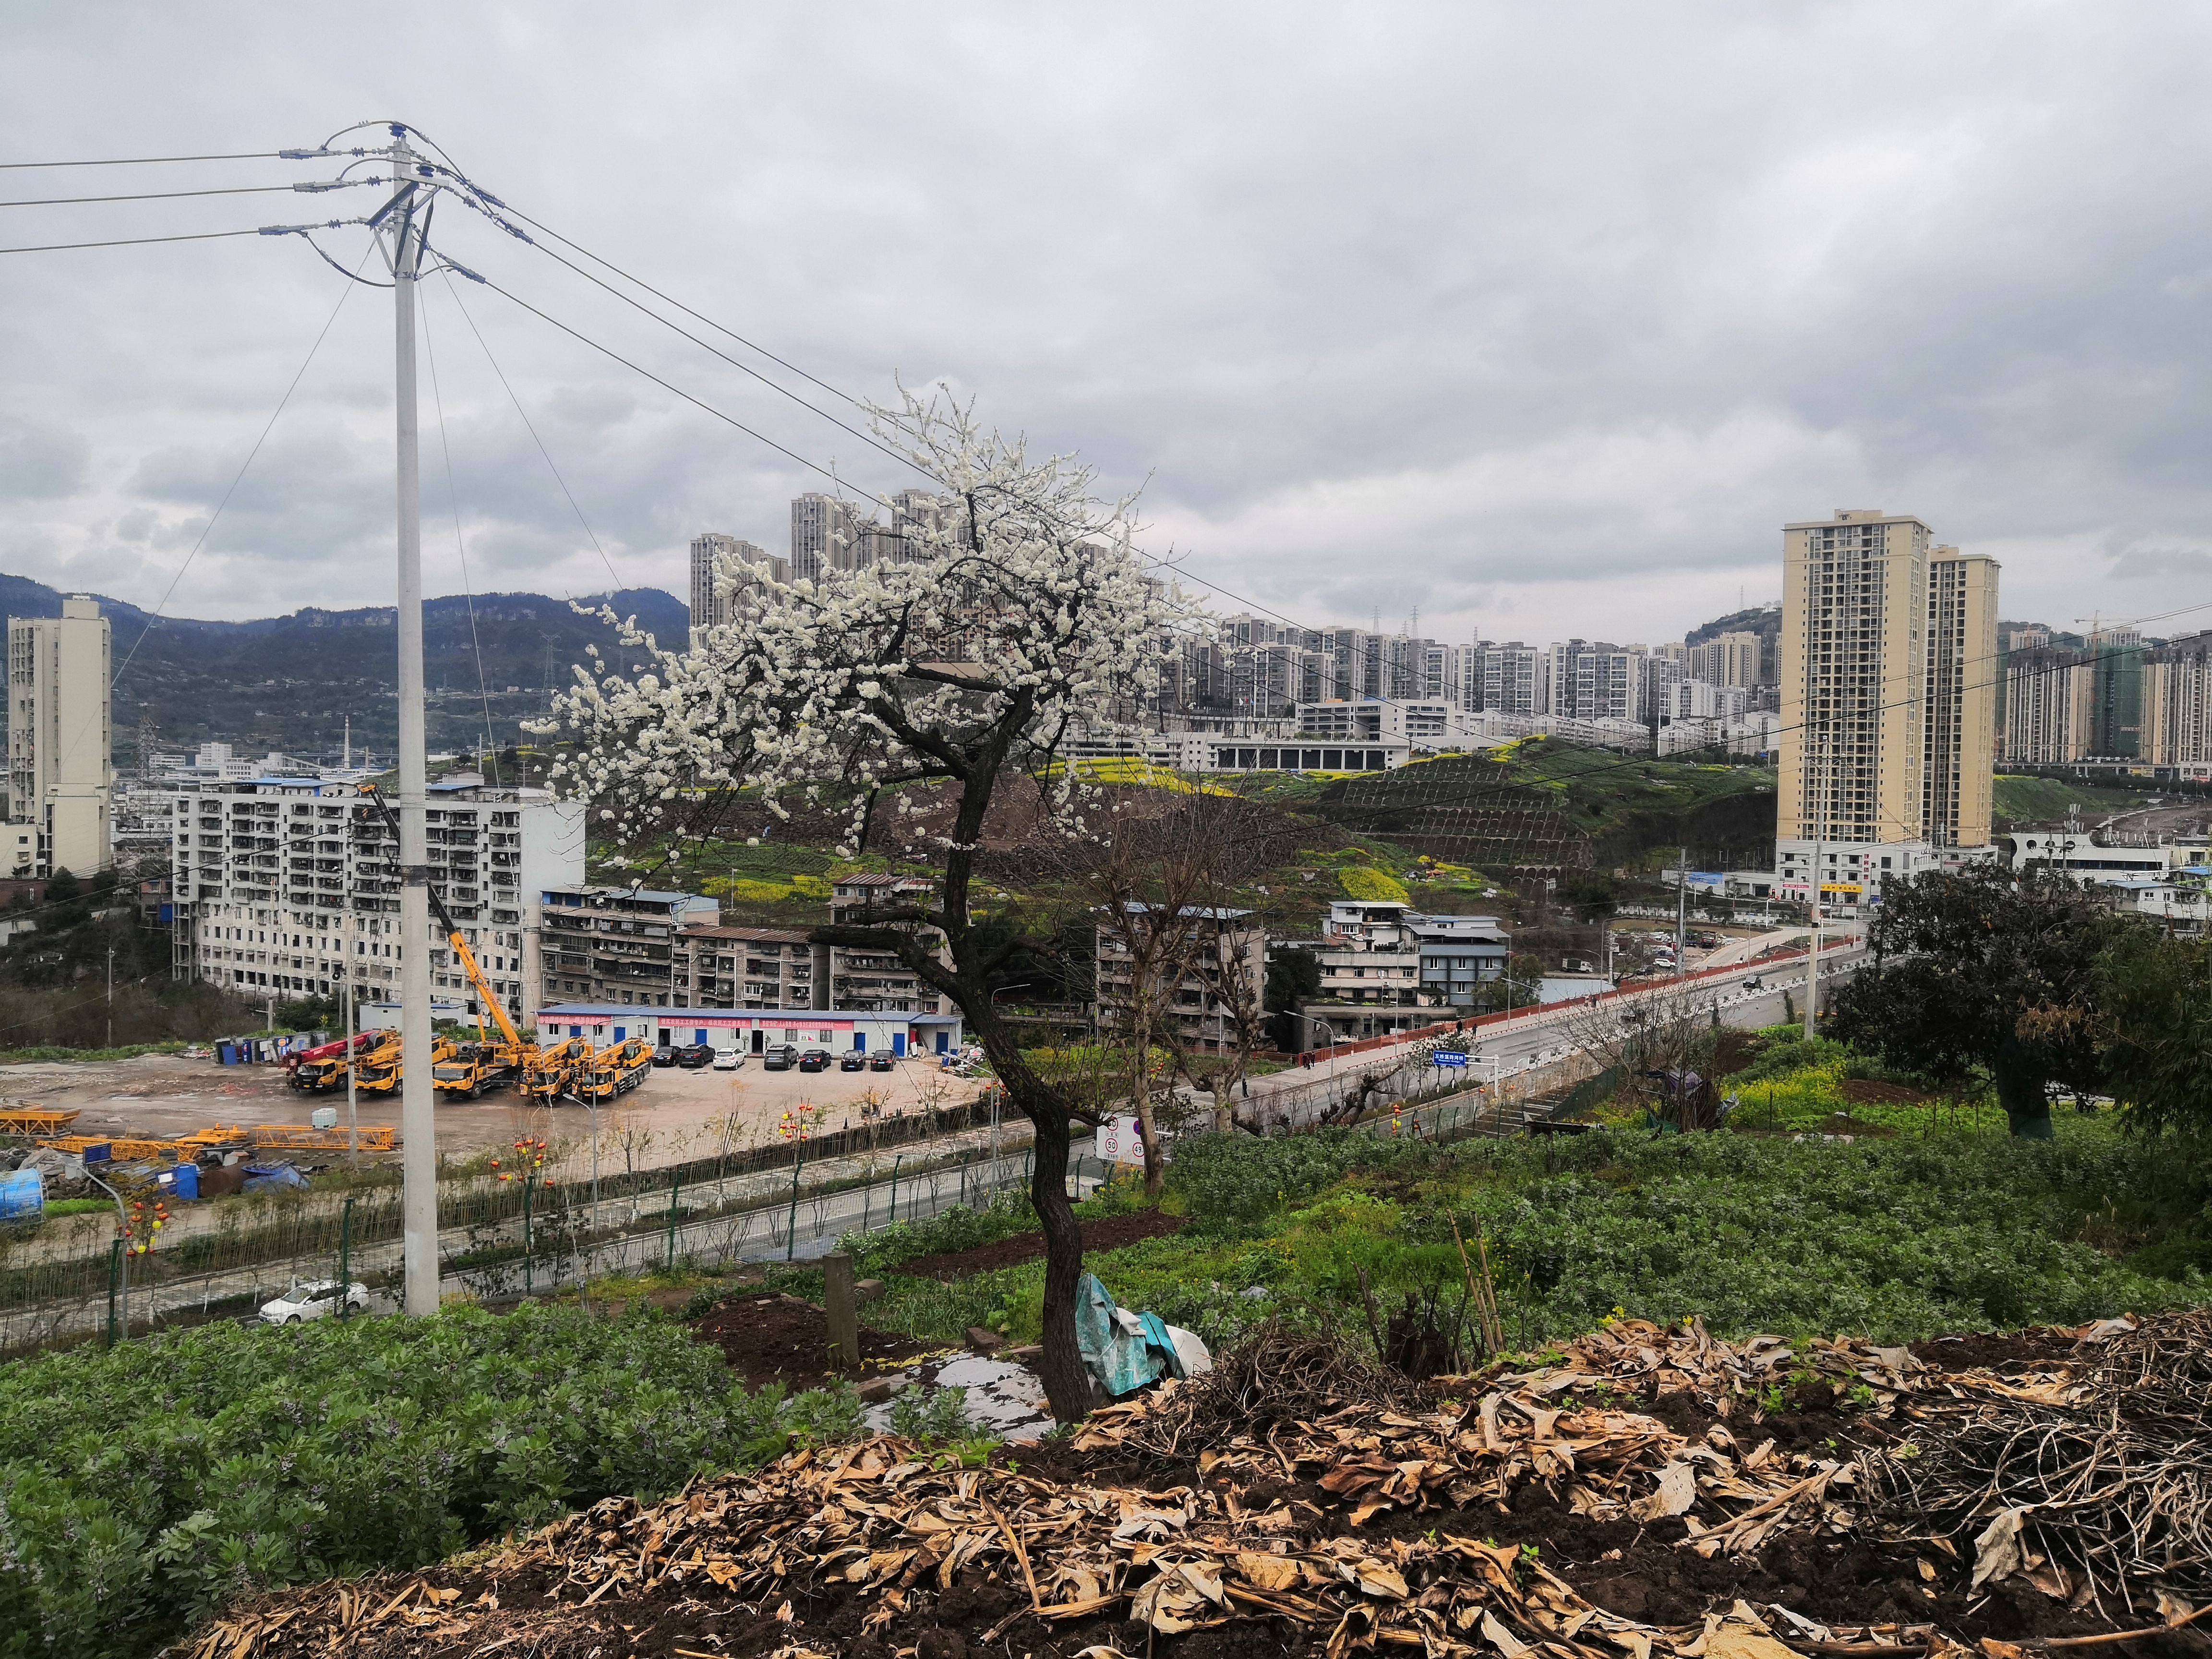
(1364, 883)
(146, 1485)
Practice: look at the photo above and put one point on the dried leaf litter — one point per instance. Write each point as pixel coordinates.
(831, 1547)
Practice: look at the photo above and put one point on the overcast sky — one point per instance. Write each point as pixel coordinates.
(1542, 319)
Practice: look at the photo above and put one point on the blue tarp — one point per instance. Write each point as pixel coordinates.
(1123, 1351)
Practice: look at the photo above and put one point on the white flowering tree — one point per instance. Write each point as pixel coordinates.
(1006, 613)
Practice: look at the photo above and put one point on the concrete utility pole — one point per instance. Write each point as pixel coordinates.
(403, 224)
(1813, 907)
(1682, 910)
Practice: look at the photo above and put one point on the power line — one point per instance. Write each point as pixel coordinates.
(531, 427)
(147, 161)
(208, 529)
(699, 403)
(133, 241)
(178, 195)
(453, 501)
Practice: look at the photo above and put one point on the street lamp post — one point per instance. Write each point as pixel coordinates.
(123, 1222)
(1311, 1020)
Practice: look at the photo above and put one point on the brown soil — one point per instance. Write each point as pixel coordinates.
(780, 1339)
(1865, 1091)
(1110, 1234)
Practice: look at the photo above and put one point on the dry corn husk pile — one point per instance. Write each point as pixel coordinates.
(827, 1546)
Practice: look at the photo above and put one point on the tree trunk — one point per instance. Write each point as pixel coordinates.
(1066, 1383)
(2021, 1090)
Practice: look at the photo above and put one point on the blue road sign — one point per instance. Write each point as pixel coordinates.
(1446, 1057)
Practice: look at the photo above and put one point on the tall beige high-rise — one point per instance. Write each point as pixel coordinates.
(60, 771)
(1887, 668)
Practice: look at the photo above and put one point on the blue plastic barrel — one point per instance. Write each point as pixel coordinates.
(225, 1054)
(188, 1180)
(22, 1196)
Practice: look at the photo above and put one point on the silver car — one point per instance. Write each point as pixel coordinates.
(316, 1301)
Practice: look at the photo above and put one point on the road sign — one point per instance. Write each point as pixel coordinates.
(1447, 1057)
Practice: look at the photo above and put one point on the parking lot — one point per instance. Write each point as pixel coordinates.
(672, 1115)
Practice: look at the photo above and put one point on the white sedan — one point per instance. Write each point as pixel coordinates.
(316, 1301)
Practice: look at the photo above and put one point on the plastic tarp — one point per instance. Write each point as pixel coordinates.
(1126, 1351)
(272, 1177)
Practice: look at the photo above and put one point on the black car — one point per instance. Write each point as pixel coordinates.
(692, 1056)
(814, 1059)
(779, 1059)
(852, 1062)
(880, 1063)
(666, 1056)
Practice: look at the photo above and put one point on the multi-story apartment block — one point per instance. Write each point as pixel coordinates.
(1517, 678)
(1887, 718)
(290, 886)
(1737, 659)
(821, 536)
(873, 981)
(1422, 723)
(1386, 968)
(617, 945)
(710, 608)
(2176, 698)
(60, 778)
(751, 967)
(1224, 965)
(1597, 681)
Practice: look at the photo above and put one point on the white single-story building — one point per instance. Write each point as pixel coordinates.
(754, 1030)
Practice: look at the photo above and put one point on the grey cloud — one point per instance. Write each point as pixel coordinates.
(1510, 312)
(39, 463)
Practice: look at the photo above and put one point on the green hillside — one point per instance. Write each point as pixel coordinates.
(2046, 800)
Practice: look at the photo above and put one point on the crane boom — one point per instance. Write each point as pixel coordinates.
(454, 937)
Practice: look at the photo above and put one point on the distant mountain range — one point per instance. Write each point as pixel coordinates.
(289, 683)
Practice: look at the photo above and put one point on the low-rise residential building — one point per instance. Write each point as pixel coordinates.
(618, 944)
(1385, 968)
(1221, 964)
(858, 977)
(290, 886)
(750, 967)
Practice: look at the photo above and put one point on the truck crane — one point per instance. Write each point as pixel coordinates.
(318, 1070)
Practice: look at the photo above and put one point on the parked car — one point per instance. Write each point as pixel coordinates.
(780, 1059)
(728, 1060)
(1754, 983)
(316, 1301)
(814, 1059)
(880, 1063)
(855, 1061)
(666, 1056)
(692, 1056)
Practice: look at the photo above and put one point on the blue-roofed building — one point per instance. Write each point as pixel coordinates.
(754, 1031)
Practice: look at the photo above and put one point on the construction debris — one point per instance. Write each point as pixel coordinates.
(1351, 1529)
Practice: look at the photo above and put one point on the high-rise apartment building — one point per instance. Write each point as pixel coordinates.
(1886, 664)
(1517, 678)
(60, 774)
(823, 536)
(2177, 703)
(1728, 660)
(1597, 681)
(709, 608)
